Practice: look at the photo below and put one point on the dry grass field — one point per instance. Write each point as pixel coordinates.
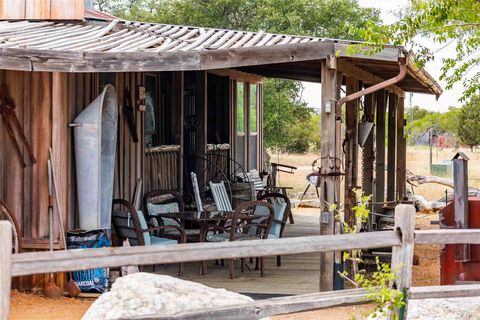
(417, 163)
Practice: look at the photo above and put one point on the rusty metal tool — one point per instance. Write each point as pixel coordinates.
(7, 107)
(51, 290)
(72, 288)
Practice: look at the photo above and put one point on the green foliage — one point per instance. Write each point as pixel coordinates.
(289, 125)
(377, 283)
(468, 124)
(378, 286)
(445, 22)
(419, 121)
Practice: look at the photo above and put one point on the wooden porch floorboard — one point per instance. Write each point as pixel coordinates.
(298, 274)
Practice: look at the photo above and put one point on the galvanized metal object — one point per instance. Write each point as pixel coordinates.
(95, 133)
(460, 191)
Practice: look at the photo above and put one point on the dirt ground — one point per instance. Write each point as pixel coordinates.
(36, 307)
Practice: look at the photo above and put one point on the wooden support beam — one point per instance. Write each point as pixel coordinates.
(177, 101)
(351, 151)
(391, 141)
(401, 150)
(402, 256)
(5, 274)
(350, 70)
(379, 194)
(328, 163)
(368, 153)
(201, 125)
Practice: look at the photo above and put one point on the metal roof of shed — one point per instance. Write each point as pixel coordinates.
(100, 45)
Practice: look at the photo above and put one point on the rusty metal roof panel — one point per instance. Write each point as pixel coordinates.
(104, 43)
(140, 37)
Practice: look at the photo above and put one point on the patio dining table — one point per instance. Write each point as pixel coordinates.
(201, 217)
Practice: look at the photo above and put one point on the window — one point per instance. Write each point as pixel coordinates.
(253, 107)
(240, 109)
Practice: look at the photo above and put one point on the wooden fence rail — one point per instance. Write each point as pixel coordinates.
(402, 240)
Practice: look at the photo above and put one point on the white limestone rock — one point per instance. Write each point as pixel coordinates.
(148, 294)
(442, 309)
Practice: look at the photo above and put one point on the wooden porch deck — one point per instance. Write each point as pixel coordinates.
(298, 273)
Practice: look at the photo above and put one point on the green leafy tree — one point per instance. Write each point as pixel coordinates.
(468, 124)
(455, 22)
(421, 120)
(283, 107)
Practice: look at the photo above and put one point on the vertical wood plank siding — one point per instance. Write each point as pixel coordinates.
(46, 104)
(162, 168)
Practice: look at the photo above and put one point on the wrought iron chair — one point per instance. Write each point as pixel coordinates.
(161, 201)
(245, 224)
(131, 224)
(282, 208)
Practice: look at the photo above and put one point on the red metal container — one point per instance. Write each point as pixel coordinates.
(451, 271)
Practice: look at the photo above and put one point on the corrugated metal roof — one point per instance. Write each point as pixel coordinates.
(99, 45)
(126, 36)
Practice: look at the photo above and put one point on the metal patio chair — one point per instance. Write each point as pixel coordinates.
(245, 224)
(131, 224)
(161, 201)
(282, 210)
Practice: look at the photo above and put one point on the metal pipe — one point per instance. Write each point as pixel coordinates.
(402, 62)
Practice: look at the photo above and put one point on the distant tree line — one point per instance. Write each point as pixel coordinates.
(463, 123)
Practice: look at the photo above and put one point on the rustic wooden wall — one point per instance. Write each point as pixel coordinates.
(46, 104)
(130, 156)
(42, 9)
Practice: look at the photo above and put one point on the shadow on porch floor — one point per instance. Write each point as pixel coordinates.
(298, 273)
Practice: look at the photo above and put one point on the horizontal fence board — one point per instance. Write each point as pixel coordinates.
(447, 236)
(82, 259)
(275, 306)
(450, 291)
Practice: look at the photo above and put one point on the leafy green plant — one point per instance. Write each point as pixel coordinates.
(379, 291)
(378, 283)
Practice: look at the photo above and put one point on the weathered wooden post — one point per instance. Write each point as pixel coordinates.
(460, 193)
(379, 197)
(5, 264)
(391, 146)
(329, 164)
(402, 256)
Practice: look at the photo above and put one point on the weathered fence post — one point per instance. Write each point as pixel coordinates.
(5, 264)
(402, 256)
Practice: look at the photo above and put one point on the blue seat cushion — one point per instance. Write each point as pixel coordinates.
(144, 226)
(157, 241)
(158, 209)
(279, 209)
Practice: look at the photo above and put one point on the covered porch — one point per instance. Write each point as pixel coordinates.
(181, 100)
